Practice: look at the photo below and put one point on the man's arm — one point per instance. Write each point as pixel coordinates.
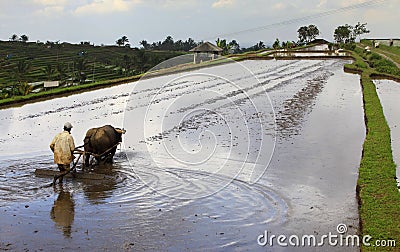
(71, 143)
(53, 143)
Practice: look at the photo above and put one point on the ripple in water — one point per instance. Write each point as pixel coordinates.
(233, 214)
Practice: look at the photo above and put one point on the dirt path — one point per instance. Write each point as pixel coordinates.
(388, 58)
(378, 51)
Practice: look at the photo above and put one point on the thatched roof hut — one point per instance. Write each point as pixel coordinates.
(205, 51)
(207, 47)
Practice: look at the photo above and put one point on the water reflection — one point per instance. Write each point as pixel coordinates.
(97, 191)
(63, 211)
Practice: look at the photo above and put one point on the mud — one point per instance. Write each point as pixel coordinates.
(218, 187)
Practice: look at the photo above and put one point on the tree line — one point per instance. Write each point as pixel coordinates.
(342, 34)
(306, 34)
(22, 38)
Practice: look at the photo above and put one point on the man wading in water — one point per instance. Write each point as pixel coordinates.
(63, 147)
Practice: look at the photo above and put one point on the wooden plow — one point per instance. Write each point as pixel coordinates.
(84, 173)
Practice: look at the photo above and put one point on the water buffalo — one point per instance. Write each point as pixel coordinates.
(102, 141)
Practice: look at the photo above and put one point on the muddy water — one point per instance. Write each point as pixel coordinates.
(389, 93)
(206, 167)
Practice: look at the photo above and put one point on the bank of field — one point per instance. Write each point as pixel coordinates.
(379, 198)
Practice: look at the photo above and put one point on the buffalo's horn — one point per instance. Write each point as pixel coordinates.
(120, 131)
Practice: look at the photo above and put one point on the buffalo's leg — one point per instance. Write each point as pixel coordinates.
(111, 155)
(87, 159)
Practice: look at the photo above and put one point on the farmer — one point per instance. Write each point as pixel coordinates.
(63, 147)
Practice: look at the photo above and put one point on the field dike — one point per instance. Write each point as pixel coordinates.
(378, 196)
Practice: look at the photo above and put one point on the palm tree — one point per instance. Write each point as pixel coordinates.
(62, 71)
(81, 66)
(57, 46)
(119, 42)
(260, 45)
(14, 37)
(24, 88)
(145, 44)
(141, 59)
(124, 40)
(189, 44)
(20, 71)
(24, 38)
(49, 71)
(234, 46)
(168, 43)
(127, 64)
(276, 44)
(221, 43)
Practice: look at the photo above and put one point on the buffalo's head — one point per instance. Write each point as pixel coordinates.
(119, 133)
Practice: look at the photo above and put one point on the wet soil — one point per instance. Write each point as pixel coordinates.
(206, 166)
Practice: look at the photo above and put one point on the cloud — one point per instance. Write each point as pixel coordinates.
(106, 6)
(321, 4)
(175, 4)
(279, 6)
(345, 3)
(50, 11)
(222, 3)
(51, 2)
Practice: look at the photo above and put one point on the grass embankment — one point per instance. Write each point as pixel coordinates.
(62, 91)
(379, 198)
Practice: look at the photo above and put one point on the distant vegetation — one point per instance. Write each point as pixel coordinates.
(170, 45)
(348, 33)
(307, 33)
(22, 63)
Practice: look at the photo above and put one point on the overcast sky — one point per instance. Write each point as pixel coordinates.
(104, 21)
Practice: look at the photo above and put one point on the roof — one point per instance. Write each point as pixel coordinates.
(51, 83)
(319, 41)
(206, 47)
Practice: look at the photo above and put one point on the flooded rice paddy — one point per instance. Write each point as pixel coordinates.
(210, 160)
(389, 94)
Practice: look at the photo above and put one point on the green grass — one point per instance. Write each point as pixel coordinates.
(379, 198)
(48, 94)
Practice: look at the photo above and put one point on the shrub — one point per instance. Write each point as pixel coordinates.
(349, 46)
(388, 69)
(361, 64)
(375, 56)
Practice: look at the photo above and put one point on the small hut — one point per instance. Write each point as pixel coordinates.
(205, 51)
